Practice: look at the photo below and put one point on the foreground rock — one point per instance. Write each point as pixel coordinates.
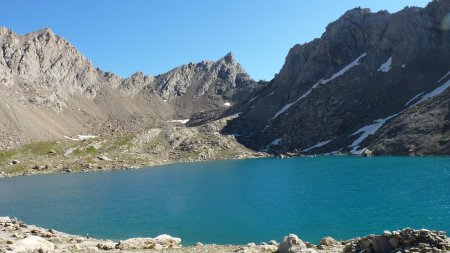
(160, 242)
(407, 240)
(15, 236)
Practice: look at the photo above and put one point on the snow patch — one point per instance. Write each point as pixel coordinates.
(227, 104)
(434, 92)
(344, 70)
(404, 65)
(368, 130)
(181, 121)
(334, 76)
(318, 145)
(270, 94)
(440, 80)
(414, 98)
(236, 115)
(334, 152)
(262, 97)
(253, 99)
(385, 67)
(265, 128)
(81, 137)
(276, 142)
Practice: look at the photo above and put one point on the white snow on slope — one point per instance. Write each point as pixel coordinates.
(181, 121)
(414, 98)
(434, 92)
(440, 80)
(262, 97)
(334, 76)
(334, 152)
(253, 99)
(372, 128)
(344, 70)
(365, 131)
(227, 104)
(318, 145)
(275, 142)
(385, 67)
(81, 137)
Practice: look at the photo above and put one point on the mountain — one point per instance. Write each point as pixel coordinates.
(49, 90)
(375, 80)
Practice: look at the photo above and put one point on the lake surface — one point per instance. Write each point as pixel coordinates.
(240, 201)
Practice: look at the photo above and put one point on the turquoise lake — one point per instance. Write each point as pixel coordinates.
(240, 201)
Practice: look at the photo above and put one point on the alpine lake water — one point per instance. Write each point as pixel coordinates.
(235, 202)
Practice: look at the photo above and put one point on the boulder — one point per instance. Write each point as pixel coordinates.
(328, 241)
(291, 244)
(273, 242)
(106, 246)
(168, 241)
(103, 158)
(33, 244)
(381, 244)
(394, 242)
(367, 153)
(159, 242)
(4, 219)
(136, 244)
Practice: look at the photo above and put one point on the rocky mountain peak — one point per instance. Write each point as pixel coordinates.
(229, 58)
(4, 30)
(358, 11)
(198, 79)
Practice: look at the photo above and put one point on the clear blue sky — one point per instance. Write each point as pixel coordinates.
(154, 36)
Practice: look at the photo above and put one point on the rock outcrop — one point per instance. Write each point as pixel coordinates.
(407, 240)
(291, 244)
(160, 242)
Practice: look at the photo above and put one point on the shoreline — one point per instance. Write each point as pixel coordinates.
(256, 155)
(106, 169)
(16, 236)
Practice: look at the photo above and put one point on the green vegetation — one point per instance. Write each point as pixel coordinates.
(110, 152)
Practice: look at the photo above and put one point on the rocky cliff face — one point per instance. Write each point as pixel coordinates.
(361, 75)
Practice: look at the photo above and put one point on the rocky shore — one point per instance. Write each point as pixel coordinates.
(16, 236)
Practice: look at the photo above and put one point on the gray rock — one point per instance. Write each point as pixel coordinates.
(394, 242)
(291, 244)
(328, 241)
(273, 242)
(381, 244)
(103, 158)
(33, 244)
(159, 242)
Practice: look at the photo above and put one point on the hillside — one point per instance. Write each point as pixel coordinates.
(368, 73)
